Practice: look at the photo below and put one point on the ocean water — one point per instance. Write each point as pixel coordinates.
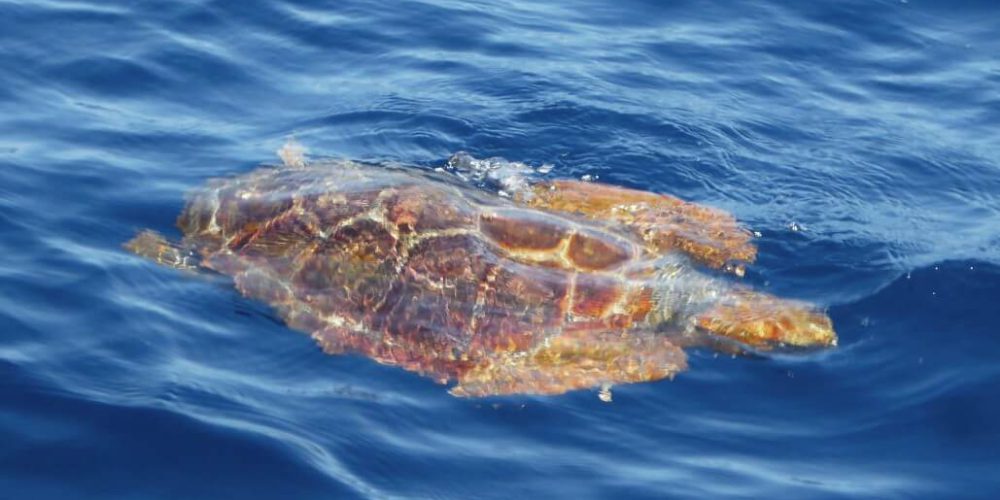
(860, 138)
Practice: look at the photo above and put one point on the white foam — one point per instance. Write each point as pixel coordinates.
(510, 177)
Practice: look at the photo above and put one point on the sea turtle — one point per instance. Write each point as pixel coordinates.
(563, 285)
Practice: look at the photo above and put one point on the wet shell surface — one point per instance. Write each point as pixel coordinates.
(567, 285)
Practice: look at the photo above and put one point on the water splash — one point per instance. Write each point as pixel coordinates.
(293, 153)
(510, 178)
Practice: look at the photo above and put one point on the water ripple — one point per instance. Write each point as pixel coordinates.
(858, 138)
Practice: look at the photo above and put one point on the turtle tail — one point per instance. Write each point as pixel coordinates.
(153, 246)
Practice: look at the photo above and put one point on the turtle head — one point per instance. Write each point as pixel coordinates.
(765, 322)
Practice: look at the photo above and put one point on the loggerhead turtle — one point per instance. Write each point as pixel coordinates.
(565, 285)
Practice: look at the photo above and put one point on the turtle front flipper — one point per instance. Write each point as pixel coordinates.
(575, 360)
(710, 236)
(153, 246)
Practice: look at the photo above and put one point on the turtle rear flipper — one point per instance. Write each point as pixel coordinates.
(576, 360)
(665, 223)
(155, 247)
(765, 322)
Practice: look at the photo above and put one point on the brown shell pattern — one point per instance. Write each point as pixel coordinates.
(561, 288)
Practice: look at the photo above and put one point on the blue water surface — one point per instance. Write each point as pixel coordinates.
(861, 138)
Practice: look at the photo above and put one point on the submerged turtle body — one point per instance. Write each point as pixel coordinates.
(568, 285)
